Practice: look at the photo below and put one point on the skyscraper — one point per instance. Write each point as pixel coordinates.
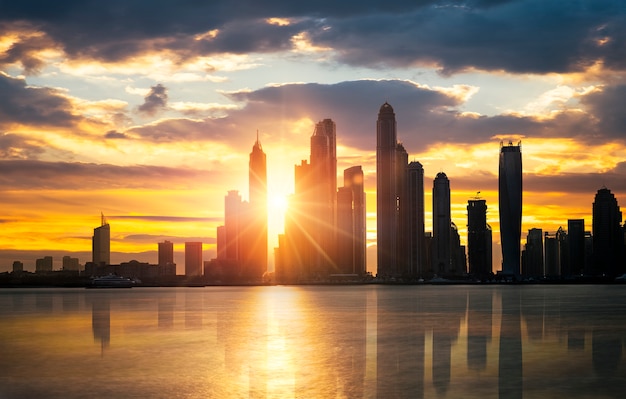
(193, 259)
(478, 239)
(608, 236)
(351, 223)
(386, 191)
(101, 243)
(576, 243)
(417, 238)
(256, 234)
(510, 201)
(441, 254)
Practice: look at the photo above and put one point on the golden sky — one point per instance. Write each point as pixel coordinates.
(149, 117)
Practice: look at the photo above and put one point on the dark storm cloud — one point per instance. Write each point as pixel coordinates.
(155, 101)
(34, 106)
(518, 36)
(84, 176)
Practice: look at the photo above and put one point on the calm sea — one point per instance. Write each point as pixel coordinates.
(314, 342)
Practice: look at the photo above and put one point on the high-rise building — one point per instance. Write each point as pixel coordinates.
(193, 259)
(351, 231)
(576, 243)
(510, 201)
(386, 191)
(608, 236)
(101, 243)
(166, 252)
(552, 258)
(323, 187)
(402, 210)
(232, 212)
(479, 239)
(417, 237)
(442, 250)
(533, 264)
(255, 235)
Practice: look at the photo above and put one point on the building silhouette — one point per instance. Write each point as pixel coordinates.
(70, 264)
(351, 231)
(552, 259)
(510, 202)
(479, 239)
(43, 265)
(442, 234)
(386, 192)
(417, 258)
(193, 259)
(608, 235)
(532, 256)
(101, 243)
(166, 252)
(576, 244)
(256, 232)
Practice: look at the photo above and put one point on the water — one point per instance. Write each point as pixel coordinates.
(314, 342)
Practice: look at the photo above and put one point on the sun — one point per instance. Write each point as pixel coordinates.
(278, 205)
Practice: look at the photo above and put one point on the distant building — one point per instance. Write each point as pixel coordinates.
(608, 236)
(442, 250)
(417, 256)
(70, 264)
(43, 265)
(576, 244)
(350, 240)
(101, 243)
(166, 264)
(533, 260)
(18, 267)
(193, 259)
(552, 259)
(510, 201)
(166, 252)
(479, 239)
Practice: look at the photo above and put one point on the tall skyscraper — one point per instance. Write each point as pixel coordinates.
(101, 243)
(608, 236)
(193, 259)
(510, 201)
(441, 254)
(324, 190)
(479, 239)
(256, 237)
(386, 191)
(232, 212)
(417, 237)
(402, 211)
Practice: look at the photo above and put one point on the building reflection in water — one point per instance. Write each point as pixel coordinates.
(510, 375)
(387, 342)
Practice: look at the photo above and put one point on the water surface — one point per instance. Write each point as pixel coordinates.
(314, 342)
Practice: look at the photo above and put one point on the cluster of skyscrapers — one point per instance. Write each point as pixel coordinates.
(325, 225)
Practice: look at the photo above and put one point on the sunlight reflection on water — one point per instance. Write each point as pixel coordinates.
(314, 341)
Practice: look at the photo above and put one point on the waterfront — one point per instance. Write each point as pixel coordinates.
(367, 341)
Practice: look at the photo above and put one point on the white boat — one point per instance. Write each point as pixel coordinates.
(112, 281)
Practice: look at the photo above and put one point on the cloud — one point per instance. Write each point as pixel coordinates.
(518, 36)
(32, 174)
(34, 106)
(155, 101)
(14, 146)
(112, 134)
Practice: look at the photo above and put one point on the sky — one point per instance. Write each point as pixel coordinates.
(146, 111)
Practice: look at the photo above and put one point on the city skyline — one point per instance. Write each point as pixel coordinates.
(151, 125)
